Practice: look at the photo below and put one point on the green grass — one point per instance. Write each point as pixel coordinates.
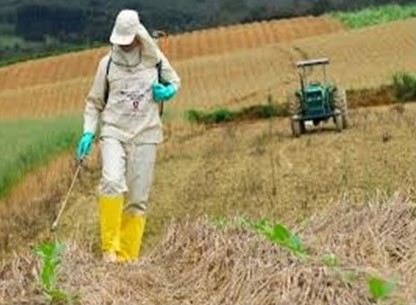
(28, 144)
(222, 115)
(375, 15)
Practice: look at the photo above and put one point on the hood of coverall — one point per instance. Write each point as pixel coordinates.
(128, 27)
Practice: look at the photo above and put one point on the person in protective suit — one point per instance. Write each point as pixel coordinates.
(124, 97)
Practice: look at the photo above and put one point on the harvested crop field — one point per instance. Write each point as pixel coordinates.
(246, 36)
(328, 187)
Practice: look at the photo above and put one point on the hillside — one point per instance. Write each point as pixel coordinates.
(59, 85)
(214, 41)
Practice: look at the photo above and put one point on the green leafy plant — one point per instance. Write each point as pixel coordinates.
(404, 86)
(50, 255)
(281, 235)
(379, 288)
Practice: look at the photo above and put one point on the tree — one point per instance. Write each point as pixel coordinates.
(35, 21)
(320, 7)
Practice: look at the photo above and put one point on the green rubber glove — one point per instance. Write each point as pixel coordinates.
(163, 92)
(84, 145)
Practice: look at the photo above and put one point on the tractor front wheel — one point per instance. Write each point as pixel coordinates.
(296, 128)
(339, 122)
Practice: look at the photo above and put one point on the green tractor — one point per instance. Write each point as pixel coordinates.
(317, 101)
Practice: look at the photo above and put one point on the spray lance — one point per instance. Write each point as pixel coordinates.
(65, 201)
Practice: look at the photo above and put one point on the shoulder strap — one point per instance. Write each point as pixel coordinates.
(107, 86)
(159, 71)
(160, 80)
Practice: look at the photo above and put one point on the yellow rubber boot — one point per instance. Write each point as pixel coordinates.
(132, 228)
(111, 208)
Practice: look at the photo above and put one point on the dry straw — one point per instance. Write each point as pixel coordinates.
(198, 263)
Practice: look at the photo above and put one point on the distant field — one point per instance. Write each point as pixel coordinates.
(366, 58)
(47, 71)
(48, 100)
(27, 144)
(199, 43)
(245, 36)
(375, 15)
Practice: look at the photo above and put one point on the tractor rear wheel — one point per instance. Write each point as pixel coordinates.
(340, 102)
(295, 109)
(296, 128)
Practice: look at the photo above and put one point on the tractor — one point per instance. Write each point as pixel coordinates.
(316, 101)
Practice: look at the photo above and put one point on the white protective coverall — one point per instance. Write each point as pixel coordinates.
(130, 131)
